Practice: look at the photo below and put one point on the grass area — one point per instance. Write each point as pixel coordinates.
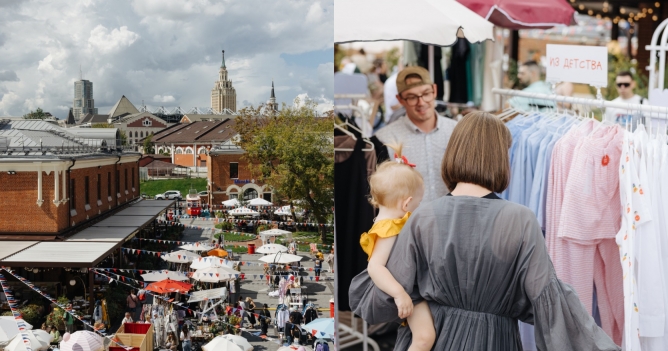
(234, 237)
(306, 238)
(159, 186)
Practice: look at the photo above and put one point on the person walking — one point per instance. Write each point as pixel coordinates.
(68, 319)
(132, 302)
(265, 319)
(186, 341)
(318, 268)
(495, 270)
(250, 307)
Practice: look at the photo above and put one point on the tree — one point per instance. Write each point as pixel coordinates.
(149, 148)
(293, 152)
(37, 114)
(124, 137)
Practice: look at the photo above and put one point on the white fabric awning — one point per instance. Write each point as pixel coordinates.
(243, 211)
(274, 232)
(281, 258)
(207, 262)
(181, 256)
(8, 248)
(258, 201)
(197, 247)
(157, 276)
(203, 295)
(62, 254)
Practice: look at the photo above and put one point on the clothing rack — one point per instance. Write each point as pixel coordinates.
(661, 111)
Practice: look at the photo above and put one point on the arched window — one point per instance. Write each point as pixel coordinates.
(179, 150)
(189, 150)
(250, 194)
(202, 150)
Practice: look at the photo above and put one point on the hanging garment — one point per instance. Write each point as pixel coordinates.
(438, 72)
(310, 315)
(496, 246)
(457, 72)
(477, 59)
(351, 190)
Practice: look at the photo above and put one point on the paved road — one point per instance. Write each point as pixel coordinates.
(319, 293)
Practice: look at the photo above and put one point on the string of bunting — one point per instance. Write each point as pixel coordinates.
(178, 242)
(167, 300)
(63, 307)
(241, 276)
(251, 221)
(18, 318)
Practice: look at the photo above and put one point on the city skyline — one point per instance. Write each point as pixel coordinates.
(165, 53)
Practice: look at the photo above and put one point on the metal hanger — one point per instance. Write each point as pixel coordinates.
(349, 133)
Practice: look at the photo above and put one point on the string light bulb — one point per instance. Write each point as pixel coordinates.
(650, 11)
(622, 10)
(655, 18)
(590, 12)
(657, 4)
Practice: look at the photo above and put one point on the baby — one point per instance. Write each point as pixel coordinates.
(396, 190)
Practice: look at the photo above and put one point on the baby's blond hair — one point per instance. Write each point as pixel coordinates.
(394, 182)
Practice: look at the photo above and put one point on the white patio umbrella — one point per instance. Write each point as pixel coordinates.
(42, 335)
(36, 343)
(181, 256)
(157, 276)
(82, 340)
(243, 211)
(275, 232)
(231, 203)
(215, 274)
(208, 262)
(258, 201)
(432, 22)
(281, 257)
(271, 249)
(221, 344)
(9, 329)
(197, 247)
(240, 341)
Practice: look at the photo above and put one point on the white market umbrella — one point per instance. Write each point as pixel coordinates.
(258, 201)
(271, 249)
(231, 203)
(157, 276)
(274, 232)
(208, 262)
(42, 336)
(182, 256)
(240, 341)
(82, 340)
(285, 211)
(17, 343)
(9, 329)
(432, 22)
(215, 274)
(197, 247)
(281, 257)
(221, 344)
(321, 327)
(243, 211)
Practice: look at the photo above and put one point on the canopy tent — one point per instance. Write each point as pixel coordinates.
(321, 327)
(215, 274)
(9, 329)
(239, 340)
(243, 211)
(37, 342)
(258, 201)
(285, 211)
(271, 249)
(82, 340)
(274, 232)
(169, 286)
(156, 276)
(211, 297)
(231, 203)
(182, 256)
(281, 257)
(207, 262)
(220, 344)
(524, 14)
(200, 246)
(217, 253)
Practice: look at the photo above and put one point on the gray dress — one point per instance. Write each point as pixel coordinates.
(482, 265)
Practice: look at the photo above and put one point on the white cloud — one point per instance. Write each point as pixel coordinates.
(165, 98)
(105, 41)
(164, 48)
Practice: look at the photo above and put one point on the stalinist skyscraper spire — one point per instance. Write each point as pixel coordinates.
(223, 95)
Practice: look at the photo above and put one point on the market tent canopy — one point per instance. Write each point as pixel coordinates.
(231, 203)
(169, 286)
(281, 257)
(9, 248)
(197, 247)
(204, 295)
(217, 253)
(258, 201)
(206, 262)
(275, 232)
(271, 249)
(432, 22)
(524, 14)
(9, 329)
(243, 211)
(156, 276)
(215, 274)
(181, 256)
(62, 254)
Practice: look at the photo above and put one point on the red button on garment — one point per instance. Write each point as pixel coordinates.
(606, 160)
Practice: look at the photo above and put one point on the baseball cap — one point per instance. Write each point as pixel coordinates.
(413, 70)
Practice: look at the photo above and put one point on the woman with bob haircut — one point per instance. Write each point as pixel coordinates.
(479, 261)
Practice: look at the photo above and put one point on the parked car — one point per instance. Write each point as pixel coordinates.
(169, 195)
(204, 193)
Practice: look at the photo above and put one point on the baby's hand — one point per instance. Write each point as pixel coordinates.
(404, 305)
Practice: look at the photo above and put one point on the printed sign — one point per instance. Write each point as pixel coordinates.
(577, 64)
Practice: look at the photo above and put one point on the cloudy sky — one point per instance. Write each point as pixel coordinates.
(164, 52)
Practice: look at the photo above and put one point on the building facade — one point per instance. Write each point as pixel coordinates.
(61, 180)
(230, 176)
(139, 126)
(223, 94)
(83, 99)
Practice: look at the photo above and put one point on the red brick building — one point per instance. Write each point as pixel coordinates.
(56, 179)
(230, 176)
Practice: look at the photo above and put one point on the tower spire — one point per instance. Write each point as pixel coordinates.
(80, 73)
(272, 90)
(223, 64)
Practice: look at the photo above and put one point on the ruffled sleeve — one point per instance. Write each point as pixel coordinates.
(561, 321)
(382, 229)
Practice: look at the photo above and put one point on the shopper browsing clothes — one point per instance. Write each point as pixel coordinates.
(423, 133)
(480, 262)
(529, 76)
(625, 85)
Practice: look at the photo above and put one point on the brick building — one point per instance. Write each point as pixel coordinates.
(230, 176)
(60, 178)
(188, 143)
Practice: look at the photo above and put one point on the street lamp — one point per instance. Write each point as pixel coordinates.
(73, 282)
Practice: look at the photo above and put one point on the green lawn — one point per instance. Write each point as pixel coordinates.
(153, 187)
(234, 237)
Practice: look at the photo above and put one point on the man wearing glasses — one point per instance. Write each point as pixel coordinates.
(423, 133)
(625, 85)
